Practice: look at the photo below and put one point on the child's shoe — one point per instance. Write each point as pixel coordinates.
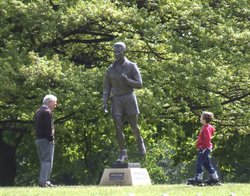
(197, 180)
(213, 180)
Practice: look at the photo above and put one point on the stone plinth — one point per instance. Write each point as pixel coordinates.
(125, 177)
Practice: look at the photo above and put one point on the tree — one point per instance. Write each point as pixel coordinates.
(193, 56)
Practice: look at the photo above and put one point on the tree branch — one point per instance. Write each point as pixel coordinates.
(90, 41)
(235, 99)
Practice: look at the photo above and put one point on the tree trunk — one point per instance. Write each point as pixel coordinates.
(7, 164)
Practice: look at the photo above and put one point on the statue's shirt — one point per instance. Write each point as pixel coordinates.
(116, 85)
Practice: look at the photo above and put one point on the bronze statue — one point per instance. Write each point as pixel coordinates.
(122, 77)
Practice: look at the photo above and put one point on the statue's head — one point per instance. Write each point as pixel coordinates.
(119, 50)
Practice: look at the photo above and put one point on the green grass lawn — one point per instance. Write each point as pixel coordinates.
(153, 190)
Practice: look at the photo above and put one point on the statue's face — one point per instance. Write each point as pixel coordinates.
(119, 52)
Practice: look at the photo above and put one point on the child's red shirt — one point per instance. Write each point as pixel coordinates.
(205, 137)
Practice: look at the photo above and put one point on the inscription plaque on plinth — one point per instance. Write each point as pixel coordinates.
(125, 176)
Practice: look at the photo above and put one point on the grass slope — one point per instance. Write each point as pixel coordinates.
(153, 190)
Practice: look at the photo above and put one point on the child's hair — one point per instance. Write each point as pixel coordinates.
(207, 116)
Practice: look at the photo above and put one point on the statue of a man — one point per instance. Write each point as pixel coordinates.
(122, 77)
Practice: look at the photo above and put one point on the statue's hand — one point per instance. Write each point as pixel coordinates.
(125, 76)
(105, 108)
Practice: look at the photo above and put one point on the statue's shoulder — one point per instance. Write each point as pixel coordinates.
(132, 64)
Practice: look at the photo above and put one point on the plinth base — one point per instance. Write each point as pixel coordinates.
(125, 165)
(125, 177)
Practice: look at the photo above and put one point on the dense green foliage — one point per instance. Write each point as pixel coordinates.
(193, 56)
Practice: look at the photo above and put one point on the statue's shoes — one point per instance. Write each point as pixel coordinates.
(123, 157)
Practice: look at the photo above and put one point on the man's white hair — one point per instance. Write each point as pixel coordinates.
(122, 44)
(49, 98)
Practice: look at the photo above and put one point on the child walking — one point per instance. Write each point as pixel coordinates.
(204, 147)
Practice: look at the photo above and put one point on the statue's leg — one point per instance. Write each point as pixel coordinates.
(120, 137)
(132, 119)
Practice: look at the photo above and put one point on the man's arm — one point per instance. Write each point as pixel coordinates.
(48, 125)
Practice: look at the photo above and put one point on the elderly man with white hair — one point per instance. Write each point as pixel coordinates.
(44, 127)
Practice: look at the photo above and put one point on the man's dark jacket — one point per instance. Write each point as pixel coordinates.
(44, 125)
